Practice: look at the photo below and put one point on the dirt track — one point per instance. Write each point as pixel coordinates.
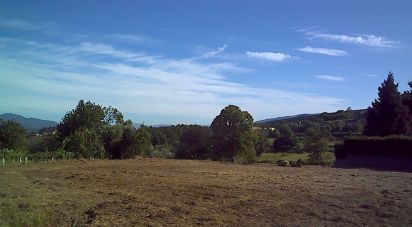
(171, 192)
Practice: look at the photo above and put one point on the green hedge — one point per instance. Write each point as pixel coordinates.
(390, 146)
(15, 155)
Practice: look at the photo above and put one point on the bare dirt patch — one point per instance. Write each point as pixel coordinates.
(153, 192)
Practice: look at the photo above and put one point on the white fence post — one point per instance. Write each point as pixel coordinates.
(25, 159)
(52, 159)
(20, 159)
(4, 161)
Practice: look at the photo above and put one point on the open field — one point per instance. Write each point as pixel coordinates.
(153, 192)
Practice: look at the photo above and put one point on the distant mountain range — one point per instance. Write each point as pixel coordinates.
(30, 124)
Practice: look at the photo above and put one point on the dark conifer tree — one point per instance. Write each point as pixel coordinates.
(387, 114)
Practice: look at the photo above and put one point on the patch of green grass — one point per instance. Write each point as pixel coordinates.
(328, 157)
(24, 214)
(282, 156)
(19, 207)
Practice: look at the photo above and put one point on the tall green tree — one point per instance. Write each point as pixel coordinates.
(287, 138)
(387, 114)
(262, 143)
(316, 143)
(12, 135)
(143, 144)
(88, 115)
(227, 127)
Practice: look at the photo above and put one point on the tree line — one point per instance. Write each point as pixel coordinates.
(94, 131)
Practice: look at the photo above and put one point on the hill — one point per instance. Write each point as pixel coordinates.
(341, 121)
(281, 118)
(30, 124)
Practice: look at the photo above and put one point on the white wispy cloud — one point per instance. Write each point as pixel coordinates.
(269, 56)
(55, 76)
(329, 77)
(371, 75)
(213, 53)
(325, 51)
(21, 24)
(367, 40)
(305, 29)
(133, 38)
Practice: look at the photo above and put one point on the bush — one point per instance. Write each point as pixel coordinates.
(390, 146)
(244, 157)
(161, 151)
(317, 144)
(13, 155)
(245, 147)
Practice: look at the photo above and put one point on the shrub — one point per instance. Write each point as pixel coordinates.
(12, 155)
(161, 151)
(317, 144)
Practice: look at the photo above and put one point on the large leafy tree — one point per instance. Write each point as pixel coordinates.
(387, 114)
(143, 144)
(227, 127)
(12, 135)
(88, 130)
(88, 115)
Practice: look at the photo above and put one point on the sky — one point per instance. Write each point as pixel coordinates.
(170, 62)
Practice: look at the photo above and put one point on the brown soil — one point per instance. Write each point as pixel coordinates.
(156, 192)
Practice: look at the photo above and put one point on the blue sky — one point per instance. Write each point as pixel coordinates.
(168, 62)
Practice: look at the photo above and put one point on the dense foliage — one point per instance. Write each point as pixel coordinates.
(286, 139)
(316, 143)
(395, 146)
(232, 129)
(12, 135)
(388, 115)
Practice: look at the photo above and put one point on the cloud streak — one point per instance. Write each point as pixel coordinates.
(213, 53)
(269, 56)
(329, 77)
(366, 40)
(325, 51)
(133, 38)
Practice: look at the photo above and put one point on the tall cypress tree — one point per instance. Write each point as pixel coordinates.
(387, 114)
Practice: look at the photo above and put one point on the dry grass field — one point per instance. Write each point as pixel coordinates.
(157, 192)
